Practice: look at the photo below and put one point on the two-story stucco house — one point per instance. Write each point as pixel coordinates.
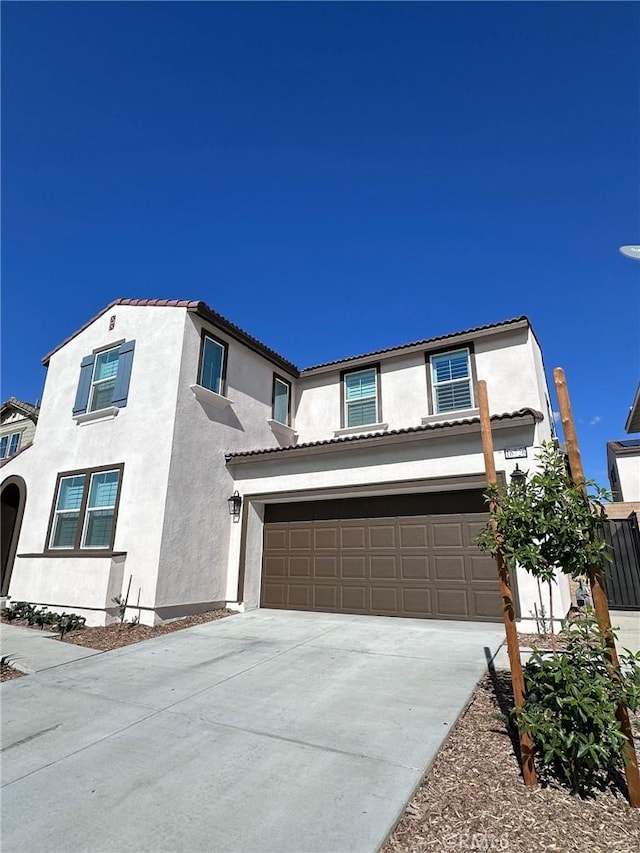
(358, 483)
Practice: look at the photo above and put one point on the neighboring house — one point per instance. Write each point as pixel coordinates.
(623, 461)
(357, 484)
(17, 426)
(623, 465)
(633, 419)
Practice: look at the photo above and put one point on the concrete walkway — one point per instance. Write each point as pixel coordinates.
(30, 650)
(267, 731)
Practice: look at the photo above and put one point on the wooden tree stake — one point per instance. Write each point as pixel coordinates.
(513, 647)
(600, 603)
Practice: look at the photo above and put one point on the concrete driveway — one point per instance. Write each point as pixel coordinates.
(267, 731)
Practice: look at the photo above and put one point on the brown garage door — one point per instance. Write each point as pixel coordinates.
(354, 556)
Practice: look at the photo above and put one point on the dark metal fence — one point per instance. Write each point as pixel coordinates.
(622, 575)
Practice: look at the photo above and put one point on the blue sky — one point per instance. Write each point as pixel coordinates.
(333, 177)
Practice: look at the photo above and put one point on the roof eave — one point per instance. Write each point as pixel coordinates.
(452, 428)
(438, 342)
(202, 310)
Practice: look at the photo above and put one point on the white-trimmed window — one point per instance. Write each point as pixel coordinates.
(213, 357)
(9, 445)
(281, 411)
(103, 381)
(85, 510)
(451, 381)
(101, 507)
(361, 397)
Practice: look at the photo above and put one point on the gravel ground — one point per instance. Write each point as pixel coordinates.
(474, 798)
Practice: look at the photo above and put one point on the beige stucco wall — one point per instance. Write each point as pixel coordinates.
(508, 360)
(197, 524)
(629, 476)
(140, 436)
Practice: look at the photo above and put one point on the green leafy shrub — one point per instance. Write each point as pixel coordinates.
(546, 523)
(61, 622)
(69, 622)
(570, 706)
(21, 610)
(9, 613)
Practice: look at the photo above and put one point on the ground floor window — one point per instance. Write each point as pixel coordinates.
(85, 508)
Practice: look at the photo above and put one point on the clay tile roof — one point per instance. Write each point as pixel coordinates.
(349, 439)
(27, 409)
(424, 342)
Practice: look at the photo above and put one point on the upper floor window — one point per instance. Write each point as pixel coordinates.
(103, 382)
(104, 379)
(9, 445)
(361, 398)
(281, 408)
(83, 515)
(213, 364)
(451, 381)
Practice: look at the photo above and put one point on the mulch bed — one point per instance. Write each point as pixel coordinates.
(474, 798)
(115, 636)
(7, 672)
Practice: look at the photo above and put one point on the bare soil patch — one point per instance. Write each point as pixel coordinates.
(474, 798)
(115, 636)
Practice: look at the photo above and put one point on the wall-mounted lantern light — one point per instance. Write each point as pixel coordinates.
(518, 476)
(235, 504)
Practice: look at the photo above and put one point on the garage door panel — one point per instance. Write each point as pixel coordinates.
(326, 538)
(276, 567)
(354, 567)
(484, 603)
(299, 540)
(325, 597)
(482, 568)
(276, 538)
(474, 528)
(448, 534)
(384, 566)
(414, 567)
(417, 566)
(384, 599)
(299, 595)
(299, 567)
(417, 602)
(452, 603)
(382, 535)
(355, 599)
(354, 536)
(275, 595)
(446, 568)
(325, 567)
(413, 535)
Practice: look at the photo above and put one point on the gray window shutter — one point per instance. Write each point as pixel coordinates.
(84, 385)
(121, 391)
